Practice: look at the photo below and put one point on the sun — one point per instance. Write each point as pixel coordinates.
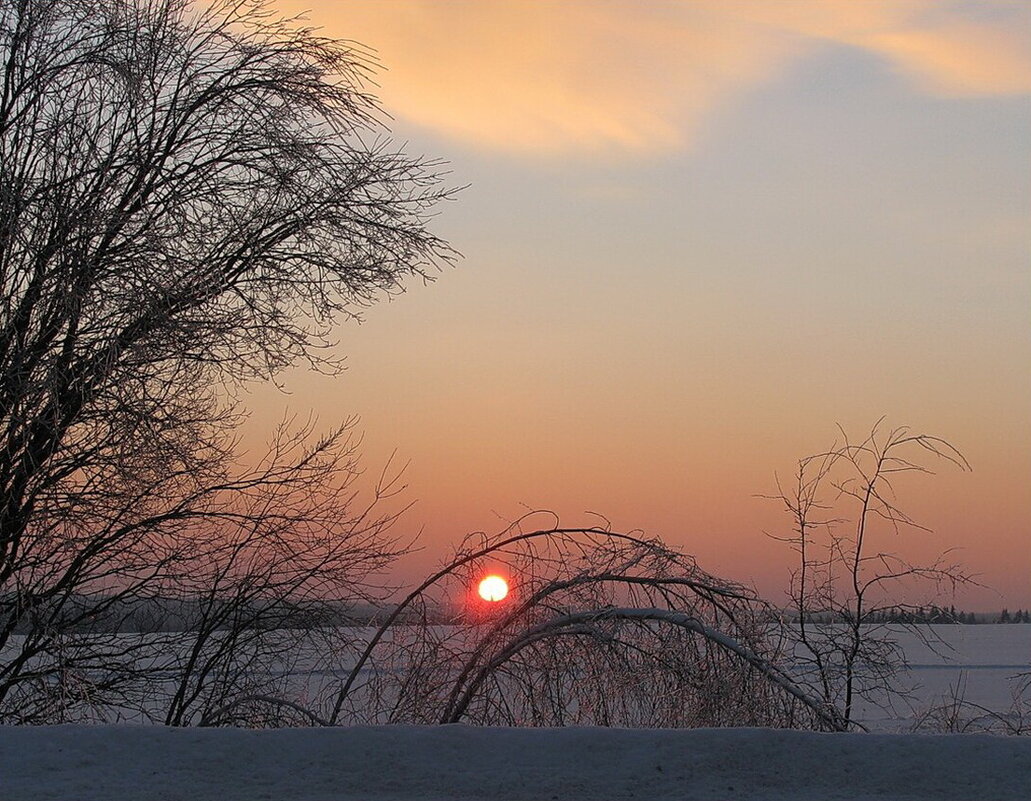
(493, 588)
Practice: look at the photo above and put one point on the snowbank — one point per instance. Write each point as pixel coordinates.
(117, 763)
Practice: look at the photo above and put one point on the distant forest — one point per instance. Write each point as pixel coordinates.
(937, 614)
(157, 614)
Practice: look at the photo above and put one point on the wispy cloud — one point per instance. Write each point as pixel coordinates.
(945, 47)
(590, 76)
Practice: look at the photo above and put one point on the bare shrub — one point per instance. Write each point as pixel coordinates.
(600, 628)
(954, 713)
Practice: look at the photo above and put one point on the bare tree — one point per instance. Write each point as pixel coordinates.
(267, 587)
(601, 628)
(845, 521)
(190, 197)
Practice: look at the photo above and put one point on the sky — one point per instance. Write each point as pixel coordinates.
(697, 238)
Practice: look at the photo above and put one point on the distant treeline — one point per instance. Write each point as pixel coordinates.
(81, 615)
(930, 614)
(937, 614)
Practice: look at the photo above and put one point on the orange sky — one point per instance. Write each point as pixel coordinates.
(696, 237)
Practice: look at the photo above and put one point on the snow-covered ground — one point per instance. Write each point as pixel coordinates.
(141, 763)
(983, 664)
(117, 763)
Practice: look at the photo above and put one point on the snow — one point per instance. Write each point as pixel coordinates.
(118, 763)
(983, 664)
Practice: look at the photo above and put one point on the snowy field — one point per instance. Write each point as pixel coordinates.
(982, 663)
(146, 763)
(112, 763)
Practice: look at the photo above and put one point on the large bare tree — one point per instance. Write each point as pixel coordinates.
(190, 197)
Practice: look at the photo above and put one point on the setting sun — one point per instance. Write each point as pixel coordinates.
(493, 588)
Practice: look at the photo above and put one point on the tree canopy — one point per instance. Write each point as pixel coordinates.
(191, 196)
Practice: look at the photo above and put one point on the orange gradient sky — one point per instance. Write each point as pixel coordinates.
(696, 237)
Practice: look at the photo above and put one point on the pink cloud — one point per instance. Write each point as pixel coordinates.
(583, 78)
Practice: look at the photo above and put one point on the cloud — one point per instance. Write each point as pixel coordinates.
(581, 77)
(958, 60)
(956, 49)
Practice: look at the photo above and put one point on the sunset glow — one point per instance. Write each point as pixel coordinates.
(576, 373)
(493, 589)
(696, 238)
